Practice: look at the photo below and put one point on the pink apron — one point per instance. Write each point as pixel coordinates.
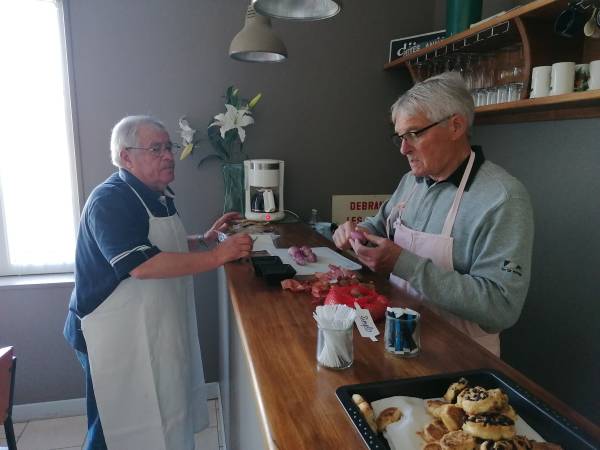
(437, 248)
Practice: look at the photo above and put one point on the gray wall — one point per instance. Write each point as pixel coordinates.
(325, 113)
(557, 340)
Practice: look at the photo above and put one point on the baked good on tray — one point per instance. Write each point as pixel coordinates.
(490, 426)
(366, 410)
(467, 418)
(473, 417)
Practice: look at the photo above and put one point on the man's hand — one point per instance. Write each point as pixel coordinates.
(381, 258)
(234, 247)
(342, 237)
(220, 225)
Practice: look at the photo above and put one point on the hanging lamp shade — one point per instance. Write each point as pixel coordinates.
(298, 9)
(257, 42)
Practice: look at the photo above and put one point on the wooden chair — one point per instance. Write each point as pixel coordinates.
(8, 364)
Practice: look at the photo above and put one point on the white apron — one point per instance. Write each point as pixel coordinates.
(437, 248)
(145, 357)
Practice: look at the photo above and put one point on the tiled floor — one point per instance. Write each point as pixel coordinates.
(68, 433)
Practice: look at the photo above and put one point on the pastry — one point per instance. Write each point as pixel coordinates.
(432, 446)
(458, 440)
(455, 389)
(478, 400)
(544, 446)
(387, 416)
(433, 407)
(434, 431)
(496, 445)
(521, 443)
(358, 399)
(490, 426)
(452, 416)
(368, 414)
(509, 412)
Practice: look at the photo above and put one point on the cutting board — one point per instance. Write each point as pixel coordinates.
(325, 256)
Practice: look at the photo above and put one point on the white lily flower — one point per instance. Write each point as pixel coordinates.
(233, 118)
(187, 132)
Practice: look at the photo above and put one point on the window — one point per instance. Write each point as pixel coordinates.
(38, 192)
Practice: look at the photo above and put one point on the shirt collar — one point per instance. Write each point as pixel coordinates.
(456, 176)
(141, 188)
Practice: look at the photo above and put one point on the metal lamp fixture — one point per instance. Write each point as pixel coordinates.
(256, 42)
(298, 9)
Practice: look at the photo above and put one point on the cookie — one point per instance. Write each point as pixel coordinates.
(387, 416)
(455, 389)
(452, 416)
(478, 400)
(458, 440)
(492, 426)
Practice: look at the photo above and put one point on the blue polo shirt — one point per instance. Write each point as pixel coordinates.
(111, 242)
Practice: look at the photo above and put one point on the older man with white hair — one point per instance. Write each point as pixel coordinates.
(457, 233)
(132, 314)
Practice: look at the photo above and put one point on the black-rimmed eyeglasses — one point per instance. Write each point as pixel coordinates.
(157, 150)
(412, 136)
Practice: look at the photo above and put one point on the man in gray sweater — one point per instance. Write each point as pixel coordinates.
(458, 231)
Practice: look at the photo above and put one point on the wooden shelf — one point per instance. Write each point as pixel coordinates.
(577, 105)
(530, 25)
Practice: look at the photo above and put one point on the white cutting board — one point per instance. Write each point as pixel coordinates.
(325, 256)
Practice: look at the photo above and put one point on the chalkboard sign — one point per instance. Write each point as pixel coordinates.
(407, 45)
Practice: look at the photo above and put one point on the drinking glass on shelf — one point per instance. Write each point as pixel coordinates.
(504, 74)
(502, 93)
(517, 63)
(514, 91)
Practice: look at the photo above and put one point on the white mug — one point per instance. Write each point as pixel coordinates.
(540, 81)
(562, 78)
(594, 81)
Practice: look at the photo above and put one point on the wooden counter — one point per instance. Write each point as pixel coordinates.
(293, 398)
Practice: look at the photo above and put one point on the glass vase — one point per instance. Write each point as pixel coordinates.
(233, 182)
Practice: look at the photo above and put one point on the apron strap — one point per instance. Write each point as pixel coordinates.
(451, 217)
(398, 208)
(138, 196)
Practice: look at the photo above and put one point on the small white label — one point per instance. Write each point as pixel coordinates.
(364, 323)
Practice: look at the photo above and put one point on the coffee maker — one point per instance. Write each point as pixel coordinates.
(263, 179)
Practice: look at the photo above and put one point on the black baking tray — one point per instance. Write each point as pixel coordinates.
(552, 426)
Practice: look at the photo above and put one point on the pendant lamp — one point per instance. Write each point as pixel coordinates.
(298, 9)
(257, 42)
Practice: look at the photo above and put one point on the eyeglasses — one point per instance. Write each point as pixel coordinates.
(412, 136)
(157, 150)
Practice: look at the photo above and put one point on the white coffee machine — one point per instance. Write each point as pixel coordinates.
(263, 179)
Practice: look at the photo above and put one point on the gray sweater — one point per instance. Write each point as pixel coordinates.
(493, 240)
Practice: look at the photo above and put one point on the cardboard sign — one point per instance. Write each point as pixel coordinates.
(364, 323)
(410, 44)
(354, 208)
